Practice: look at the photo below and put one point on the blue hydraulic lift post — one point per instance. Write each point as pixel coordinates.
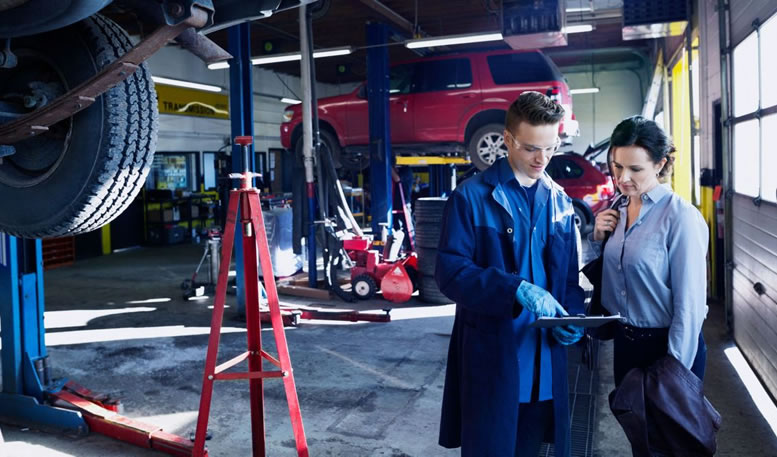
(24, 358)
(380, 139)
(241, 115)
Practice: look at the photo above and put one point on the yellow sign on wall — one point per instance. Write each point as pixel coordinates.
(191, 102)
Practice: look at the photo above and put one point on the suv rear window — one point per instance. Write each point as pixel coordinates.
(522, 68)
(561, 168)
(448, 74)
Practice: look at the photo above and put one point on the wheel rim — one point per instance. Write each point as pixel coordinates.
(36, 158)
(491, 147)
(578, 221)
(362, 288)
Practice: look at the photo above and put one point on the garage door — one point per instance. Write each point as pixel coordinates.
(754, 129)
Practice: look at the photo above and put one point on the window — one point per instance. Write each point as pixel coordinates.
(769, 65)
(522, 67)
(438, 75)
(400, 78)
(209, 170)
(561, 168)
(754, 73)
(746, 151)
(551, 169)
(171, 171)
(745, 79)
(768, 159)
(569, 169)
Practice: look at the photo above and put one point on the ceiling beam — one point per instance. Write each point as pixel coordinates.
(390, 14)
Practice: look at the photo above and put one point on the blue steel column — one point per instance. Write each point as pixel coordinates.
(24, 339)
(10, 316)
(380, 137)
(241, 115)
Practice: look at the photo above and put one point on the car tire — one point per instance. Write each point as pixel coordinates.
(428, 214)
(427, 261)
(430, 293)
(87, 169)
(487, 145)
(342, 159)
(583, 219)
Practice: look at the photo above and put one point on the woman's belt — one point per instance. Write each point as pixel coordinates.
(642, 333)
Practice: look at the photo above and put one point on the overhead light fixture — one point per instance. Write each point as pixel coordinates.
(583, 9)
(453, 39)
(189, 84)
(332, 52)
(218, 65)
(277, 58)
(578, 28)
(588, 90)
(290, 101)
(288, 57)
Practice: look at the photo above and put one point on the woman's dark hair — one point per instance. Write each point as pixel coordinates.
(638, 131)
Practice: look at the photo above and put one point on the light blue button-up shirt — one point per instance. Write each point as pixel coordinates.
(531, 223)
(655, 273)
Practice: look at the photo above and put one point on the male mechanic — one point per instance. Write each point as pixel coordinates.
(508, 255)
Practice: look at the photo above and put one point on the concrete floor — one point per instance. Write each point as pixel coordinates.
(118, 325)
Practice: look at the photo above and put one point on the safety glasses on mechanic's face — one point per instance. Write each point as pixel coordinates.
(530, 148)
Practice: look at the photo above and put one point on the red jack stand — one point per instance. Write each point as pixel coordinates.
(254, 239)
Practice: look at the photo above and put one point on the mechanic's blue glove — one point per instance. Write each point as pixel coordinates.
(567, 334)
(538, 300)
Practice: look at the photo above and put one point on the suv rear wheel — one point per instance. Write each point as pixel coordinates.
(487, 145)
(583, 218)
(84, 171)
(342, 159)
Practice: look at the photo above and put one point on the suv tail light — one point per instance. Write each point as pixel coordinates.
(606, 191)
(554, 93)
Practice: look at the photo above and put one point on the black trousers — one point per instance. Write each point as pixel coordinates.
(641, 347)
(535, 426)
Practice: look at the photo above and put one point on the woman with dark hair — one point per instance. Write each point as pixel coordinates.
(654, 265)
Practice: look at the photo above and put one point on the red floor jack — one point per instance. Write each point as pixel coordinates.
(101, 413)
(254, 240)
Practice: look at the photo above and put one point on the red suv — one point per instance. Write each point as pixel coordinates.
(451, 104)
(590, 189)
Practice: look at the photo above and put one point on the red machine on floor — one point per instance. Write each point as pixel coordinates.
(396, 276)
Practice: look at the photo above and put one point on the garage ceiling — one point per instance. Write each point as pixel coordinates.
(343, 23)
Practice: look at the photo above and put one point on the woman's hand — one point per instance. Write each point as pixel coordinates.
(606, 221)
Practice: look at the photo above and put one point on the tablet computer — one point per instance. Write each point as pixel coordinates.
(579, 320)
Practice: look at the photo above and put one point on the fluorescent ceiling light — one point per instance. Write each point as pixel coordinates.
(218, 65)
(578, 28)
(189, 84)
(290, 101)
(277, 58)
(582, 9)
(589, 90)
(288, 57)
(332, 52)
(453, 39)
